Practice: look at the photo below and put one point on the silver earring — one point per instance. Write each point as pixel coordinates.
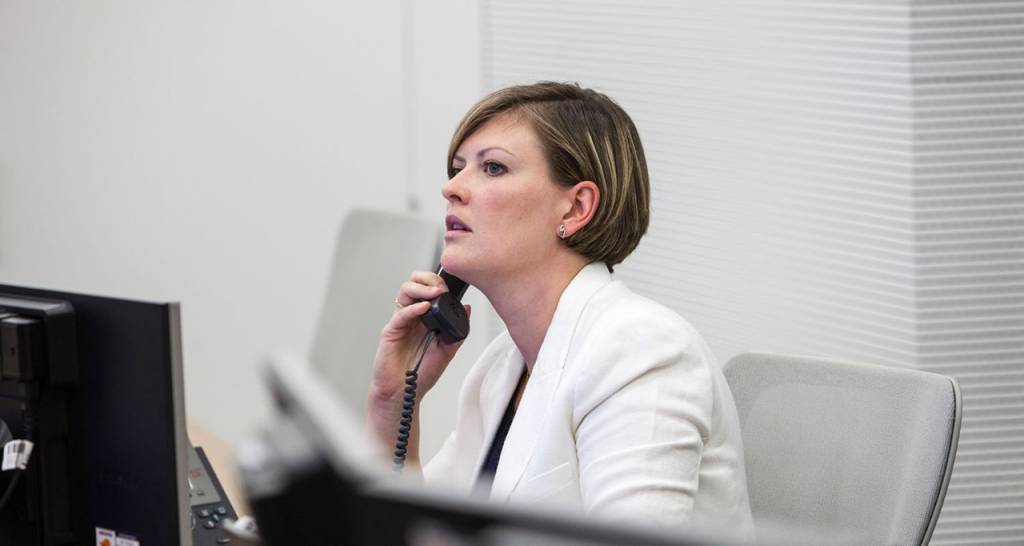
(561, 231)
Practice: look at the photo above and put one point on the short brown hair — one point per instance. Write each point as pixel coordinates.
(585, 136)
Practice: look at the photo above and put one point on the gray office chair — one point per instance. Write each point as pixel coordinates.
(864, 451)
(374, 254)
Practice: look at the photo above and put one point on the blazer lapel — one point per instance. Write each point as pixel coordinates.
(495, 392)
(533, 410)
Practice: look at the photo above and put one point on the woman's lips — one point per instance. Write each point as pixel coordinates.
(453, 223)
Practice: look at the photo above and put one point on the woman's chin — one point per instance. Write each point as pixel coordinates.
(470, 267)
(453, 263)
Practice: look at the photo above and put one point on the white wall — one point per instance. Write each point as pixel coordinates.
(202, 152)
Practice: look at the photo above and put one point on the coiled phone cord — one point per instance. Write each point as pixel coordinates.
(409, 404)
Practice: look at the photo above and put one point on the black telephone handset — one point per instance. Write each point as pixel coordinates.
(446, 319)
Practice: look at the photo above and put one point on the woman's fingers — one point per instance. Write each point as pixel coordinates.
(411, 313)
(401, 336)
(422, 285)
(412, 292)
(426, 277)
(404, 318)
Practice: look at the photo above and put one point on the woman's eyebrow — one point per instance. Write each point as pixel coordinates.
(457, 157)
(485, 150)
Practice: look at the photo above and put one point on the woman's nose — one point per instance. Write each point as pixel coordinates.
(454, 190)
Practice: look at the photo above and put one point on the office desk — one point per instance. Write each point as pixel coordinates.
(223, 462)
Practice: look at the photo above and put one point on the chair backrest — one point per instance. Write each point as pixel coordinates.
(374, 254)
(860, 449)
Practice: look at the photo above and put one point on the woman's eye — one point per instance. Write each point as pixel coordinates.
(455, 171)
(492, 168)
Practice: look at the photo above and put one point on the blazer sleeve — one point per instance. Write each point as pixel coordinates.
(442, 463)
(642, 414)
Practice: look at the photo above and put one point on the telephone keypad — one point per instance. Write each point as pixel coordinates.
(210, 506)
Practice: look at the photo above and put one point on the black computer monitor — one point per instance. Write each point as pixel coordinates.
(126, 445)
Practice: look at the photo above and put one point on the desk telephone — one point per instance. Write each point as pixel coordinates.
(446, 319)
(209, 505)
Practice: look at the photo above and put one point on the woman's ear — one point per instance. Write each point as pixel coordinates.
(583, 198)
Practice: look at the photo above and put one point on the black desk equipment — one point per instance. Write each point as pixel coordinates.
(96, 383)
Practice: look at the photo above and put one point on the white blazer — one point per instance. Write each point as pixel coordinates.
(626, 415)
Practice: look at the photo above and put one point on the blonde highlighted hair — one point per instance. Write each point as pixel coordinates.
(585, 136)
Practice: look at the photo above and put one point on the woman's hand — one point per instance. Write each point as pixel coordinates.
(397, 350)
(401, 337)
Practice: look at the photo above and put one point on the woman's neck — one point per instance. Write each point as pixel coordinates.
(527, 302)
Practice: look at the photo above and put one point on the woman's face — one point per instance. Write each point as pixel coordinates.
(503, 208)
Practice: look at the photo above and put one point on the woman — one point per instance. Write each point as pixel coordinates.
(594, 398)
